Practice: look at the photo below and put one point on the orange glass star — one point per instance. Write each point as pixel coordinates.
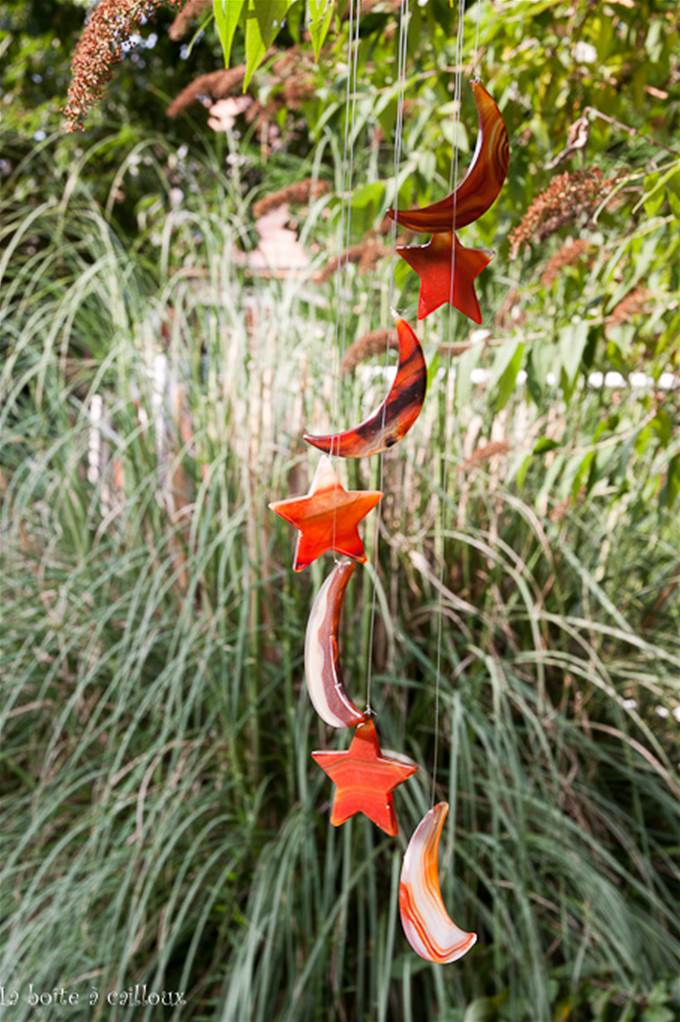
(432, 263)
(364, 779)
(327, 518)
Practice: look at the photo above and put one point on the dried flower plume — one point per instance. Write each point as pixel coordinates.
(373, 343)
(295, 194)
(190, 13)
(214, 85)
(510, 313)
(484, 453)
(567, 254)
(630, 306)
(568, 197)
(100, 47)
(366, 254)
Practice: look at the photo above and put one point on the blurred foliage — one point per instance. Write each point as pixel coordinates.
(153, 726)
(612, 67)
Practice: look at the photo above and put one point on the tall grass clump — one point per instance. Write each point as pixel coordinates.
(162, 821)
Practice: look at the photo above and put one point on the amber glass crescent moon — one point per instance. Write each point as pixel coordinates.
(481, 185)
(323, 673)
(428, 928)
(397, 413)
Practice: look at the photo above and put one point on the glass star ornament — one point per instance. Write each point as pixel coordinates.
(365, 778)
(436, 263)
(327, 518)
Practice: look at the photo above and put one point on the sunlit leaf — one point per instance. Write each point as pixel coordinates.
(264, 20)
(572, 344)
(671, 487)
(227, 16)
(504, 375)
(319, 15)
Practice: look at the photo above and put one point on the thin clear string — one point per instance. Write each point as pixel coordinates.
(399, 131)
(341, 270)
(475, 69)
(453, 184)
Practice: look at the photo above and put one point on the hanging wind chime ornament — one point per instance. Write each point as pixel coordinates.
(323, 673)
(365, 778)
(397, 413)
(327, 520)
(447, 269)
(428, 928)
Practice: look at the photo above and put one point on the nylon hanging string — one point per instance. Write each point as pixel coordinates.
(341, 270)
(399, 130)
(453, 185)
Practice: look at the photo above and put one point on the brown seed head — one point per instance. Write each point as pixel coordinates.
(630, 306)
(483, 453)
(100, 47)
(215, 85)
(567, 198)
(296, 194)
(374, 343)
(567, 254)
(190, 13)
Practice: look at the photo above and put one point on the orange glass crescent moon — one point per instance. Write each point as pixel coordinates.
(481, 185)
(428, 928)
(397, 413)
(323, 673)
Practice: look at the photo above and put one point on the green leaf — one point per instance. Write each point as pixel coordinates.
(543, 444)
(654, 201)
(464, 366)
(508, 364)
(662, 423)
(367, 201)
(319, 14)
(572, 343)
(368, 194)
(433, 368)
(658, 995)
(482, 1009)
(264, 19)
(541, 361)
(583, 477)
(402, 274)
(227, 16)
(657, 183)
(671, 487)
(675, 203)
(522, 471)
(453, 131)
(658, 1014)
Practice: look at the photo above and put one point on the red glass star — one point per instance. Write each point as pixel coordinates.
(327, 518)
(433, 262)
(364, 779)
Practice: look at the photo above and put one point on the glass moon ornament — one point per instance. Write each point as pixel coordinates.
(397, 413)
(428, 927)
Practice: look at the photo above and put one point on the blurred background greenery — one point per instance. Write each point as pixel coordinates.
(173, 317)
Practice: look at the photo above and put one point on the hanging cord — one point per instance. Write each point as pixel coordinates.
(399, 131)
(341, 272)
(453, 184)
(478, 7)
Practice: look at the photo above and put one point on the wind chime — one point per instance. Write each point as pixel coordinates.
(327, 519)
